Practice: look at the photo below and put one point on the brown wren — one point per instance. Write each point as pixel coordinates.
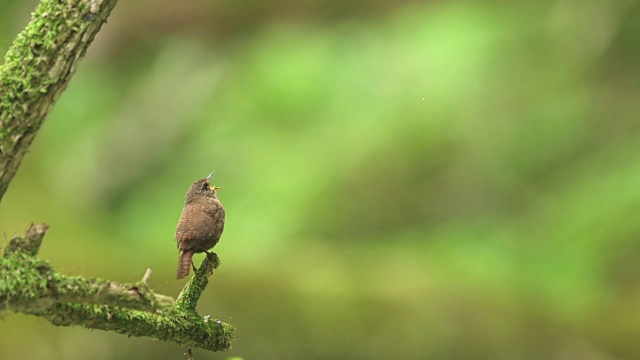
(200, 225)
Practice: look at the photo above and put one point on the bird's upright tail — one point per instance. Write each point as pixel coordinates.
(184, 263)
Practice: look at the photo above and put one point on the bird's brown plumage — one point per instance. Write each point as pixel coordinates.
(200, 225)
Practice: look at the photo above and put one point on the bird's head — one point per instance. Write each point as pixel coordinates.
(201, 188)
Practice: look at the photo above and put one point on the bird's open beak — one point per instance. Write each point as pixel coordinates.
(213, 187)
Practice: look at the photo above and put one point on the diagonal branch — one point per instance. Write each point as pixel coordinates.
(37, 69)
(31, 286)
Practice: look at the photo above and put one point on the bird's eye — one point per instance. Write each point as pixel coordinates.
(205, 186)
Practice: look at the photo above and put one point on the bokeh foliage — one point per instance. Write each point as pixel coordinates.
(445, 180)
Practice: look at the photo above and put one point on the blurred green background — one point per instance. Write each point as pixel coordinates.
(402, 180)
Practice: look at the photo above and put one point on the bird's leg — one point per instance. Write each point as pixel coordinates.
(193, 266)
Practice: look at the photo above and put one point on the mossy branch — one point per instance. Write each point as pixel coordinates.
(190, 295)
(37, 69)
(31, 286)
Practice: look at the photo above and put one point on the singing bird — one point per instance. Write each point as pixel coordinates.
(200, 224)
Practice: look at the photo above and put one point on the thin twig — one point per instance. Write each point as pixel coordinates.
(146, 276)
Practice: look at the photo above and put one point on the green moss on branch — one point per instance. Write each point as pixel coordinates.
(31, 286)
(180, 328)
(37, 69)
(188, 298)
